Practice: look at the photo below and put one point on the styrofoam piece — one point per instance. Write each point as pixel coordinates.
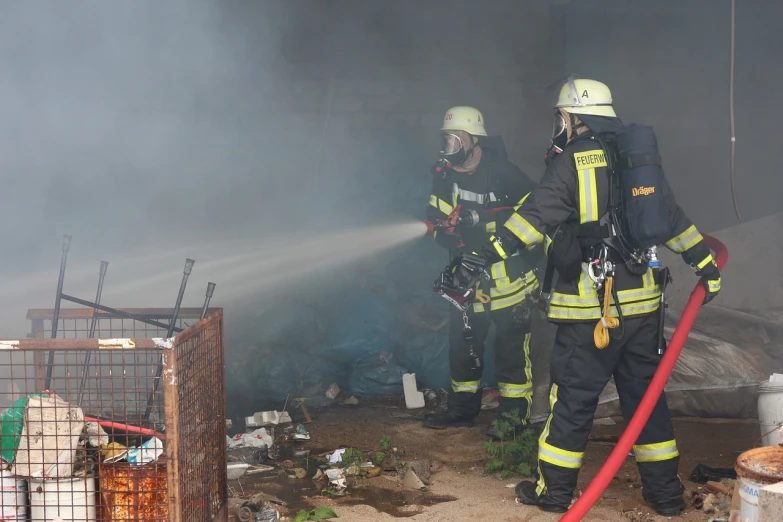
(413, 398)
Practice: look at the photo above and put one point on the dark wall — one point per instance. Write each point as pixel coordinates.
(667, 63)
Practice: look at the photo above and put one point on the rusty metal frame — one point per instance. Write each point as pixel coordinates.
(197, 488)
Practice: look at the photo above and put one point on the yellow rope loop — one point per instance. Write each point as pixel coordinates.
(481, 296)
(601, 335)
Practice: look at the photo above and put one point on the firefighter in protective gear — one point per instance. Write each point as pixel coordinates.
(475, 174)
(567, 206)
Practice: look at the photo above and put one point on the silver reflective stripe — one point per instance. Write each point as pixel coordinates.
(467, 195)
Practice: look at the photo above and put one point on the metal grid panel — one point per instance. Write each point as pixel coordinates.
(47, 435)
(195, 376)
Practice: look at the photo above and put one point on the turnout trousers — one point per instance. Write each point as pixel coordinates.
(579, 372)
(512, 360)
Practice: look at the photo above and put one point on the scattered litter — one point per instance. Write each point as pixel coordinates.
(490, 398)
(701, 474)
(414, 399)
(511, 486)
(96, 436)
(49, 438)
(111, 450)
(718, 487)
(268, 514)
(351, 400)
(299, 473)
(319, 475)
(337, 456)
(412, 480)
(367, 465)
(302, 453)
(259, 438)
(235, 470)
(267, 418)
(259, 469)
(352, 470)
(301, 433)
(336, 478)
(373, 472)
(148, 452)
(332, 391)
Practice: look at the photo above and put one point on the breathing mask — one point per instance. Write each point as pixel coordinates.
(452, 149)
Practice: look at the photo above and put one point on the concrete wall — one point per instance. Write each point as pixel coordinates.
(396, 67)
(667, 63)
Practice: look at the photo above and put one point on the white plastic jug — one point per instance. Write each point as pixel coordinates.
(65, 499)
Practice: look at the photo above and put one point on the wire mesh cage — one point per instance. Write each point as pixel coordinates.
(128, 429)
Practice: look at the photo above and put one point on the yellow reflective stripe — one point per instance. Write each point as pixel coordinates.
(498, 270)
(509, 289)
(465, 386)
(454, 194)
(648, 280)
(713, 285)
(528, 361)
(704, 262)
(523, 230)
(499, 249)
(588, 196)
(491, 227)
(511, 300)
(685, 241)
(515, 391)
(559, 457)
(584, 314)
(547, 244)
(541, 484)
(445, 207)
(519, 204)
(434, 201)
(656, 452)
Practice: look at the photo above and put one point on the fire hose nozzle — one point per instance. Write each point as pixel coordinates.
(431, 227)
(469, 218)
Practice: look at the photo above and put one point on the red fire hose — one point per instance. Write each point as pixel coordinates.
(631, 433)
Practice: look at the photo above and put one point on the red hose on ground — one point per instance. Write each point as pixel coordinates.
(643, 412)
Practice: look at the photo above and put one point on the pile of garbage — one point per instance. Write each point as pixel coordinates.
(49, 445)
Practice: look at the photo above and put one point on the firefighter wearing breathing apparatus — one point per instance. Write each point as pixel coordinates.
(475, 189)
(601, 208)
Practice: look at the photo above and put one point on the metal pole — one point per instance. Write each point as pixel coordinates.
(115, 312)
(210, 291)
(93, 323)
(185, 274)
(159, 371)
(56, 317)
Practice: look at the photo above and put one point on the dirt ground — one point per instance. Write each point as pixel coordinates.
(460, 491)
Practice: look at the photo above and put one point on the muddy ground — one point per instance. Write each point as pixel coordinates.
(459, 490)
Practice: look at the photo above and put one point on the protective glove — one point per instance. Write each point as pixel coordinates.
(710, 275)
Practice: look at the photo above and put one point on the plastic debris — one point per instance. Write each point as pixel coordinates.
(333, 391)
(412, 480)
(267, 418)
(336, 478)
(148, 452)
(351, 400)
(96, 436)
(337, 456)
(234, 470)
(301, 433)
(259, 438)
(414, 399)
(267, 514)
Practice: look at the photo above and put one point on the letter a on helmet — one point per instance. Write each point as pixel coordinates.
(581, 96)
(465, 119)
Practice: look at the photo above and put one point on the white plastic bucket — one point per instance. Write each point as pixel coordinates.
(749, 500)
(757, 468)
(13, 497)
(66, 499)
(770, 412)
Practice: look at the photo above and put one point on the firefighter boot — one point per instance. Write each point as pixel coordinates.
(447, 419)
(526, 491)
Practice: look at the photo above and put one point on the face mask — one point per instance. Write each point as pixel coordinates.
(559, 132)
(451, 149)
